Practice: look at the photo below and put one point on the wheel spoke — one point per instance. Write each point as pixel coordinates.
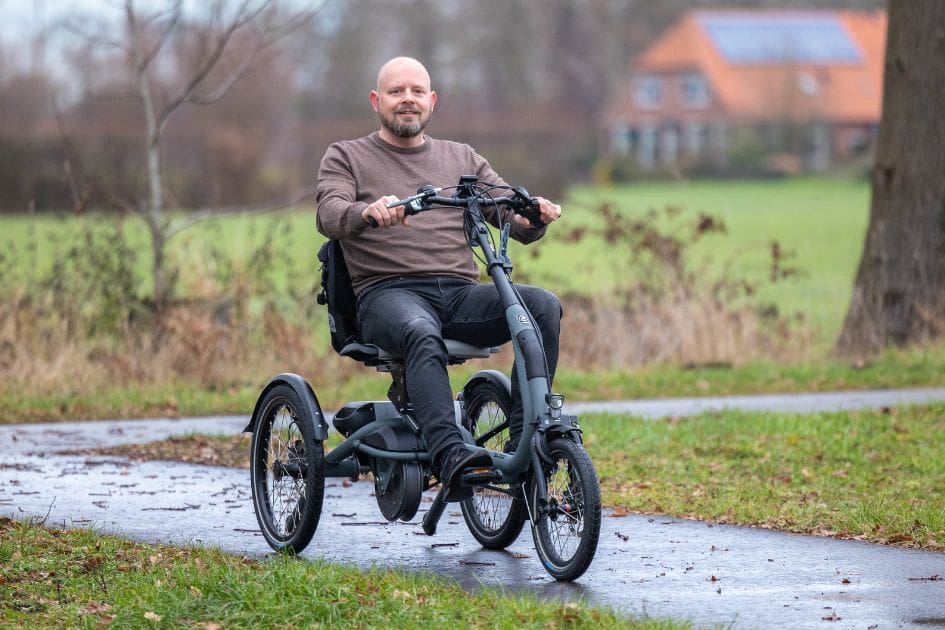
(285, 454)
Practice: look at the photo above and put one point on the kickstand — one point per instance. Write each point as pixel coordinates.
(434, 513)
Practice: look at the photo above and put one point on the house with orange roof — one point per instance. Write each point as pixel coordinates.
(799, 88)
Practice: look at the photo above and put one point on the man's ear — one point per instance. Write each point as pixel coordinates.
(432, 100)
(374, 99)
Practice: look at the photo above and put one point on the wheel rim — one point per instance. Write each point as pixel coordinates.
(563, 524)
(285, 464)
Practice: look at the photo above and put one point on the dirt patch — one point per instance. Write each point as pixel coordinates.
(230, 451)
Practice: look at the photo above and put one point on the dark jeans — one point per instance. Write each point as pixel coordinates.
(412, 315)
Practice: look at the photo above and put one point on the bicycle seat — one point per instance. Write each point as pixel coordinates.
(370, 354)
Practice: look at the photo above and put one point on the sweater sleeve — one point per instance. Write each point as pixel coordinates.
(338, 215)
(487, 175)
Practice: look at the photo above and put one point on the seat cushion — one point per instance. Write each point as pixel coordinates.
(457, 350)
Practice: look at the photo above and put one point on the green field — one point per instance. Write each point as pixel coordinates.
(820, 220)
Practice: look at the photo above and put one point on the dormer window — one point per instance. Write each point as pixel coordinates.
(695, 91)
(649, 92)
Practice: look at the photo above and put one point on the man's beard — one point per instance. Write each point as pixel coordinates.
(404, 129)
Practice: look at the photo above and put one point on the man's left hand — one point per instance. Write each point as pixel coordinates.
(547, 211)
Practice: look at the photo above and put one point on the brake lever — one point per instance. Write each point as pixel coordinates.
(529, 208)
(413, 203)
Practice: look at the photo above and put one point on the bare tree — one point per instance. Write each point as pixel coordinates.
(233, 41)
(899, 294)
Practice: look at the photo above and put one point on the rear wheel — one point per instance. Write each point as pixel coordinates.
(494, 514)
(287, 471)
(567, 527)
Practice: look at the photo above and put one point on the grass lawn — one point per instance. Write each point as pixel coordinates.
(872, 475)
(72, 579)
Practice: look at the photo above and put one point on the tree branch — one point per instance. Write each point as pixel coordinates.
(174, 13)
(263, 208)
(72, 164)
(209, 63)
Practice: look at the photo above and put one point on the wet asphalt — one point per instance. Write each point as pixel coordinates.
(708, 574)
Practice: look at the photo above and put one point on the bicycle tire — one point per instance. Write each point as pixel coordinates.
(494, 515)
(566, 534)
(287, 471)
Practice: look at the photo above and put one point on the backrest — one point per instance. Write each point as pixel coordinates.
(338, 296)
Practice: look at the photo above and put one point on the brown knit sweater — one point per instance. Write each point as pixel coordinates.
(355, 173)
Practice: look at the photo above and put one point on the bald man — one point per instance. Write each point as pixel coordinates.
(415, 277)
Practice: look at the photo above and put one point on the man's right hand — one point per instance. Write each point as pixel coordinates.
(385, 217)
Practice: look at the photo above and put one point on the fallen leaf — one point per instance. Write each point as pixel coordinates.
(95, 608)
(150, 616)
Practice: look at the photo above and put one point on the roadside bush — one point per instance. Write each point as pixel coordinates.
(671, 311)
(241, 316)
(79, 322)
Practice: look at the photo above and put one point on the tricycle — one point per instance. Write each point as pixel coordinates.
(545, 477)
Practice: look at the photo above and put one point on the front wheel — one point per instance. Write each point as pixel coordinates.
(494, 514)
(287, 471)
(567, 525)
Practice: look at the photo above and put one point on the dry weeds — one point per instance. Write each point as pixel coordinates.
(678, 329)
(39, 354)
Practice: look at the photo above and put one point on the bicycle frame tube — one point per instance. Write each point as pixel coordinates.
(531, 366)
(354, 443)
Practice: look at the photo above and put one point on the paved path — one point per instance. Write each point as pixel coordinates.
(750, 578)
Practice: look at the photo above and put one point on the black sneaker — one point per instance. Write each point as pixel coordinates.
(454, 463)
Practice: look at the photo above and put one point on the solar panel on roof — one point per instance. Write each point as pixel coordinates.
(748, 39)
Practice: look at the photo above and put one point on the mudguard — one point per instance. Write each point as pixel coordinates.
(305, 393)
(494, 376)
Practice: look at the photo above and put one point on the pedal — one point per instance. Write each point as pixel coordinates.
(479, 476)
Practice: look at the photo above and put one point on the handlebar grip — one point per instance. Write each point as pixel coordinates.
(531, 213)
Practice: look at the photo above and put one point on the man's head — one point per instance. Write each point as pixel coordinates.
(403, 100)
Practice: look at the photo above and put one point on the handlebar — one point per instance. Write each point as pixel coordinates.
(427, 197)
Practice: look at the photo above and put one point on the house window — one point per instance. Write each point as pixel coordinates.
(695, 91)
(621, 140)
(696, 138)
(649, 92)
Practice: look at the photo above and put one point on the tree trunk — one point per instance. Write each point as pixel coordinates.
(899, 294)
